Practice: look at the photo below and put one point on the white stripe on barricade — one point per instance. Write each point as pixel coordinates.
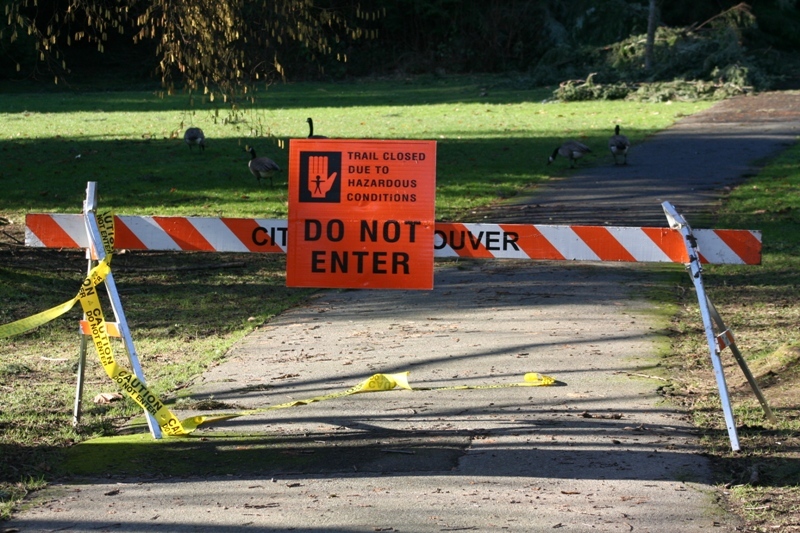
(499, 241)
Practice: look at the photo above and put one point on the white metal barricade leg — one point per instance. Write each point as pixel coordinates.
(725, 339)
(710, 317)
(96, 253)
(76, 409)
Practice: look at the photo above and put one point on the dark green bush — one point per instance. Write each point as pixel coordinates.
(710, 61)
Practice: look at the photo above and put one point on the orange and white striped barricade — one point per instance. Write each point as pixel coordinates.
(452, 240)
(675, 244)
(593, 243)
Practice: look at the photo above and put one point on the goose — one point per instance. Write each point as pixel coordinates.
(311, 130)
(261, 167)
(195, 136)
(572, 150)
(619, 144)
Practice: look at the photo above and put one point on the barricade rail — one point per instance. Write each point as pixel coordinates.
(677, 243)
(490, 241)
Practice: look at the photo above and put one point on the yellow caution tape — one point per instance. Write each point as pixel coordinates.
(105, 223)
(376, 383)
(532, 379)
(148, 400)
(98, 273)
(33, 322)
(90, 302)
(127, 381)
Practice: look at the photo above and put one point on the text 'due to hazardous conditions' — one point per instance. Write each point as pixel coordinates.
(361, 214)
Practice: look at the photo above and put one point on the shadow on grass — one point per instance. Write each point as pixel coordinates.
(164, 175)
(402, 92)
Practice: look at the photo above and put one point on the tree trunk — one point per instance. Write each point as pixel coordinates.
(651, 36)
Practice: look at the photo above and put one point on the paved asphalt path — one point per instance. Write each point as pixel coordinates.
(599, 452)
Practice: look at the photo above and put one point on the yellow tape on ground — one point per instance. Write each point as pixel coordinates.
(376, 383)
(532, 379)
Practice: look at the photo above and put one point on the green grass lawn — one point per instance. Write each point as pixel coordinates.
(489, 147)
(494, 136)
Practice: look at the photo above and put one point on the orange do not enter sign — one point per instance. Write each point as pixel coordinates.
(361, 214)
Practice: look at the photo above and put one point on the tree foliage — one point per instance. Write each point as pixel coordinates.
(226, 46)
(211, 45)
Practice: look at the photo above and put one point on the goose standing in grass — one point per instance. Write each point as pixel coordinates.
(261, 167)
(619, 144)
(572, 150)
(195, 136)
(311, 130)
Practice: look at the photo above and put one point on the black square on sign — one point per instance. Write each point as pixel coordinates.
(321, 177)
